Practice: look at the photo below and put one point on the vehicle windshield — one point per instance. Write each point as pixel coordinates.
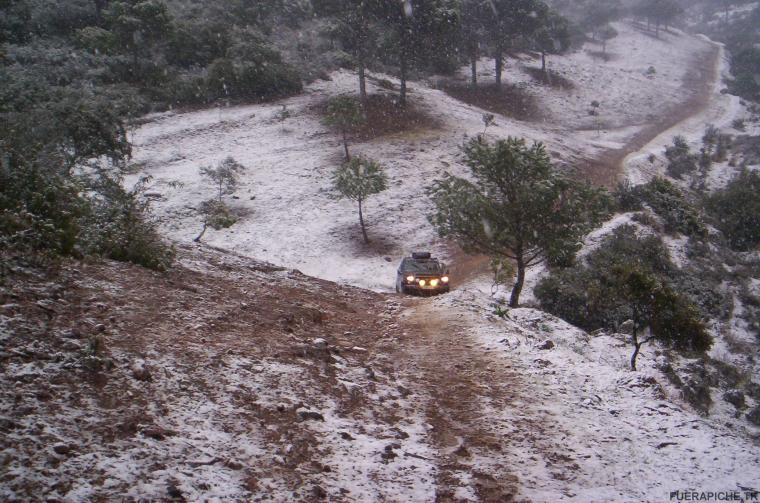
(425, 266)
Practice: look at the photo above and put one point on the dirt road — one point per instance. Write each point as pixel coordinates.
(438, 355)
(605, 169)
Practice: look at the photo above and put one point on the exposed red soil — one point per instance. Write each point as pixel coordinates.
(507, 99)
(383, 116)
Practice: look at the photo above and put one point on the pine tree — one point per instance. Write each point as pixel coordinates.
(138, 25)
(356, 28)
(600, 13)
(357, 179)
(224, 177)
(552, 37)
(473, 21)
(420, 30)
(516, 207)
(345, 113)
(669, 317)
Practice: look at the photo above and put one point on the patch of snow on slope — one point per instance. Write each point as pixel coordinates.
(627, 434)
(288, 214)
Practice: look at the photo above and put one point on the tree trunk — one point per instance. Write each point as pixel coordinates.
(403, 62)
(203, 231)
(543, 62)
(657, 29)
(474, 69)
(604, 46)
(636, 343)
(499, 65)
(514, 300)
(362, 81)
(402, 86)
(99, 6)
(361, 222)
(635, 355)
(345, 145)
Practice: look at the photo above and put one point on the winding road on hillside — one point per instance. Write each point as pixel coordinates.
(467, 384)
(491, 434)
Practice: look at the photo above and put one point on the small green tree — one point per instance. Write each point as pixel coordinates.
(488, 120)
(723, 145)
(216, 215)
(516, 207)
(345, 113)
(596, 114)
(669, 317)
(225, 176)
(282, 115)
(630, 277)
(357, 179)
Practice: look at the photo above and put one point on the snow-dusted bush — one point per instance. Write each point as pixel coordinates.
(736, 211)
(216, 215)
(627, 278)
(680, 159)
(586, 294)
(670, 203)
(120, 226)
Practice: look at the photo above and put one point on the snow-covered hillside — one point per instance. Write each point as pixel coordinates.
(289, 217)
(437, 400)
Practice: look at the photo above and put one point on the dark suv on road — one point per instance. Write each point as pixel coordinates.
(422, 274)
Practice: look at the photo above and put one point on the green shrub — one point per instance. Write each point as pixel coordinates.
(736, 211)
(197, 43)
(96, 40)
(627, 197)
(680, 159)
(121, 228)
(217, 214)
(586, 294)
(250, 81)
(669, 202)
(263, 81)
(40, 210)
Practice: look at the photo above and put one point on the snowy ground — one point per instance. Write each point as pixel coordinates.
(722, 111)
(623, 436)
(577, 425)
(223, 380)
(290, 217)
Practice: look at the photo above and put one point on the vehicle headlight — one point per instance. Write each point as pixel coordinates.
(433, 282)
(445, 279)
(422, 282)
(410, 279)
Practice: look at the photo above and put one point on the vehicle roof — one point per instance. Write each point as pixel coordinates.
(429, 265)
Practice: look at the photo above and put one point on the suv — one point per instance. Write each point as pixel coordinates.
(422, 274)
